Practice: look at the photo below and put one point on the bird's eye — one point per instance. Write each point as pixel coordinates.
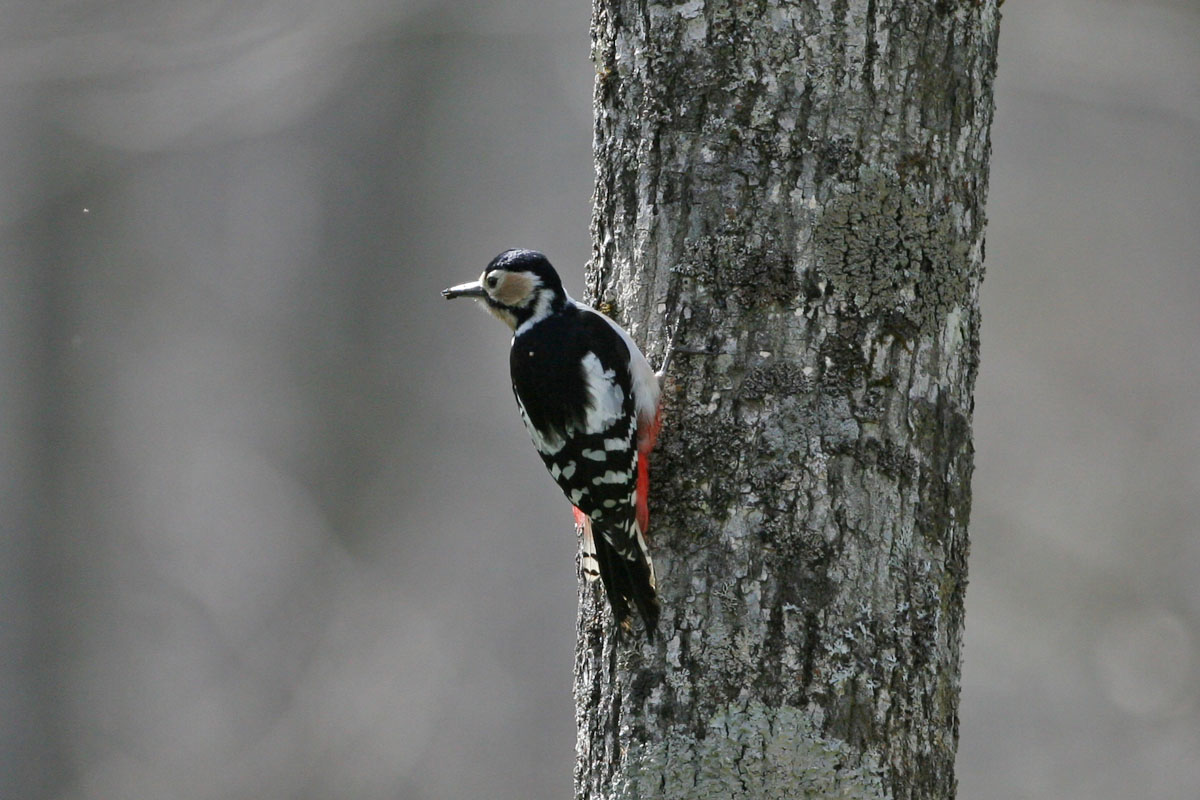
(492, 281)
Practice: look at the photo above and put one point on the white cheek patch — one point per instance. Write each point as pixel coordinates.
(513, 289)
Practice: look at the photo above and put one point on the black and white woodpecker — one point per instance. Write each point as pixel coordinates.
(590, 401)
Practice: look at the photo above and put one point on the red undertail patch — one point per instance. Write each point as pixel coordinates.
(647, 435)
(643, 492)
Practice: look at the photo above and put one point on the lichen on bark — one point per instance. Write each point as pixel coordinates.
(886, 251)
(750, 750)
(802, 184)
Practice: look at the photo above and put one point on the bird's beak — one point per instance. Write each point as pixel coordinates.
(472, 289)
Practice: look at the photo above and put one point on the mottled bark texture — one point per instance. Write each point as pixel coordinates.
(805, 181)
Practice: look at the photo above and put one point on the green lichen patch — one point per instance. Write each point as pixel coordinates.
(751, 750)
(889, 255)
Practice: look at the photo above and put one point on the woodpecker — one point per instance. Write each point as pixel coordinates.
(590, 401)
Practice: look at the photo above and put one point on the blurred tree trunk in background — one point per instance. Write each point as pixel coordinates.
(806, 181)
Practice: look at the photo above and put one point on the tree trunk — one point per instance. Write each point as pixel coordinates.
(804, 183)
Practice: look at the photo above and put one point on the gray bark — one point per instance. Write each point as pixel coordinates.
(805, 181)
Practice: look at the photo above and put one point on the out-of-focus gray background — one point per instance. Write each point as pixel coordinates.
(271, 525)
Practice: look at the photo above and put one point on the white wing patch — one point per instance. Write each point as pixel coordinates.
(604, 393)
(645, 382)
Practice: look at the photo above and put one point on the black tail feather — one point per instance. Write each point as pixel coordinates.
(626, 580)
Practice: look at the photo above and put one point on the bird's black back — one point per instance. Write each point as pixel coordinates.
(546, 374)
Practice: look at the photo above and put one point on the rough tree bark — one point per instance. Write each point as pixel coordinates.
(806, 181)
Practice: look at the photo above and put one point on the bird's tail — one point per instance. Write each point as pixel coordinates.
(625, 569)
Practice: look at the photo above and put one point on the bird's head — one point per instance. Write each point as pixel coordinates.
(517, 286)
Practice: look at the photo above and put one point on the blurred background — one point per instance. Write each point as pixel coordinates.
(271, 525)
